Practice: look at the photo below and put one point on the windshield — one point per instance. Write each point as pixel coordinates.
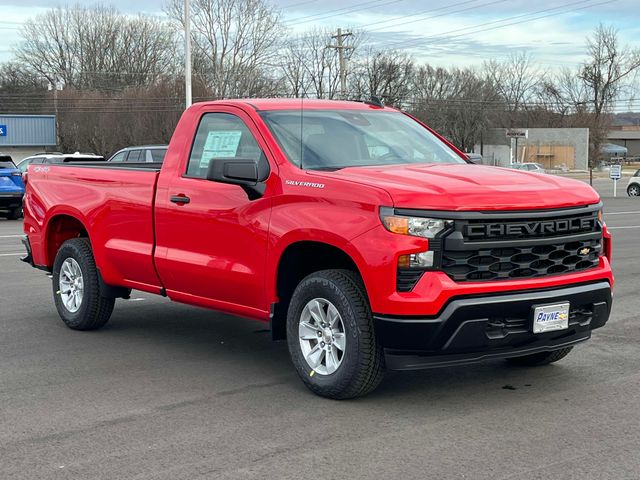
(334, 139)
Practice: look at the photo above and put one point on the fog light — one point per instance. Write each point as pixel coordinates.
(422, 259)
(416, 260)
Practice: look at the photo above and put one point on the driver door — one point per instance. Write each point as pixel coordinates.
(211, 238)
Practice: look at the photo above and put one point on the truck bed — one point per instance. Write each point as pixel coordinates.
(114, 202)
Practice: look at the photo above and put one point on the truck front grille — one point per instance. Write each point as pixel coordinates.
(511, 248)
(521, 262)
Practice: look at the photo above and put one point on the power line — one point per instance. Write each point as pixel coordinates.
(306, 2)
(445, 35)
(462, 10)
(341, 11)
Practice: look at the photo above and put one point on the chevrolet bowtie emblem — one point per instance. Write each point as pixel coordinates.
(584, 251)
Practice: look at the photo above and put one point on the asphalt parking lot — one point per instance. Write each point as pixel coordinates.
(167, 391)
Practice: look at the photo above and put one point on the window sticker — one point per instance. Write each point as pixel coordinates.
(220, 144)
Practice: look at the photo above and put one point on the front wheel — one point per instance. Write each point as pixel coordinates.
(76, 288)
(331, 337)
(544, 358)
(633, 190)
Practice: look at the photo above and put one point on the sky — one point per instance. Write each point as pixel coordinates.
(442, 33)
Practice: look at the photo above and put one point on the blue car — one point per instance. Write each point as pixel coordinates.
(11, 188)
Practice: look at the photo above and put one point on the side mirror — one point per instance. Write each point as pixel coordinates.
(248, 173)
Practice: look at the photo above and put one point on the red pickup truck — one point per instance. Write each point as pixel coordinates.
(366, 240)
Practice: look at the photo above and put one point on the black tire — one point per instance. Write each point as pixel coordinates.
(633, 190)
(14, 213)
(362, 365)
(544, 358)
(95, 310)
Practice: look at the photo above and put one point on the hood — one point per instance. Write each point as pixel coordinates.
(470, 187)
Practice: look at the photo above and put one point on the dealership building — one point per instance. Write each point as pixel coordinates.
(25, 135)
(553, 148)
(627, 136)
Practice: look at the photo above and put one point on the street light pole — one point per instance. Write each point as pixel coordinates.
(187, 51)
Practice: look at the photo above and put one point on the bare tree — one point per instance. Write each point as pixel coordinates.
(458, 103)
(96, 47)
(604, 76)
(516, 80)
(388, 75)
(310, 68)
(235, 44)
(294, 70)
(22, 91)
(608, 68)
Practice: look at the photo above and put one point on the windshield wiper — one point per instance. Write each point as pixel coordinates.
(326, 169)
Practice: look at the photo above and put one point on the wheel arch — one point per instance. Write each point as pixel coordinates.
(60, 228)
(299, 259)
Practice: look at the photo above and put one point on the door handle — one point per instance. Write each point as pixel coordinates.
(180, 199)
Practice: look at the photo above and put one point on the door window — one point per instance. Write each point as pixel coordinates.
(134, 156)
(220, 135)
(157, 154)
(119, 157)
(24, 165)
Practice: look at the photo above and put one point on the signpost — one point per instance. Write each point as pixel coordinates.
(3, 130)
(615, 173)
(516, 133)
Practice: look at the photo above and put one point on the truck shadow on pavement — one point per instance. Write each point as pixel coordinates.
(240, 349)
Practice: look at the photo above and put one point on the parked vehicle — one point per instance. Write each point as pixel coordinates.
(52, 158)
(11, 189)
(633, 187)
(529, 167)
(147, 154)
(365, 239)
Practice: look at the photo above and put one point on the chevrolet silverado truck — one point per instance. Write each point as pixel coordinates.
(363, 237)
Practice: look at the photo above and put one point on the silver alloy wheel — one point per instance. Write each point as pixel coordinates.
(71, 285)
(322, 336)
(634, 191)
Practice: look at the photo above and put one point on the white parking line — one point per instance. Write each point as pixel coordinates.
(11, 236)
(12, 254)
(620, 213)
(618, 228)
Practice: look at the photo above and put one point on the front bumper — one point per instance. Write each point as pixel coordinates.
(470, 329)
(11, 200)
(376, 254)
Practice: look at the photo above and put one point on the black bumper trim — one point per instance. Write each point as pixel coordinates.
(418, 362)
(28, 258)
(474, 328)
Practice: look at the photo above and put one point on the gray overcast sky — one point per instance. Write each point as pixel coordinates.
(440, 32)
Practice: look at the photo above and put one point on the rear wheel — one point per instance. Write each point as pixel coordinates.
(544, 358)
(76, 288)
(14, 213)
(633, 190)
(331, 337)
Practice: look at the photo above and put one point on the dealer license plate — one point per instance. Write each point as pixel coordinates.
(549, 318)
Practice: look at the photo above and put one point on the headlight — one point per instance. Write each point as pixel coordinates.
(415, 226)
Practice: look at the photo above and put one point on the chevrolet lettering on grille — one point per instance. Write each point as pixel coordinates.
(547, 227)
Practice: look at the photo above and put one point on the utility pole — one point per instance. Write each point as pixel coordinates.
(56, 85)
(341, 47)
(187, 51)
